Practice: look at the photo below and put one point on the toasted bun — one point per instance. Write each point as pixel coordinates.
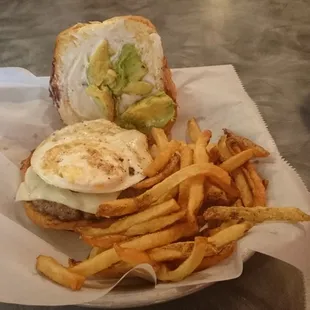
(48, 221)
(67, 41)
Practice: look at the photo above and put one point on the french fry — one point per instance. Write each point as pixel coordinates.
(259, 190)
(123, 224)
(193, 130)
(94, 251)
(72, 262)
(195, 200)
(159, 137)
(209, 261)
(215, 196)
(237, 174)
(154, 224)
(254, 180)
(168, 170)
(162, 159)
(154, 150)
(237, 160)
(245, 144)
(201, 155)
(109, 257)
(125, 206)
(224, 225)
(256, 214)
(188, 266)
(167, 196)
(215, 243)
(230, 234)
(115, 271)
(196, 189)
(134, 257)
(186, 160)
(214, 153)
(103, 242)
(173, 251)
(238, 203)
(223, 150)
(243, 186)
(58, 273)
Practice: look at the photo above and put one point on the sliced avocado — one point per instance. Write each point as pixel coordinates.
(110, 78)
(99, 64)
(138, 88)
(153, 111)
(103, 99)
(129, 68)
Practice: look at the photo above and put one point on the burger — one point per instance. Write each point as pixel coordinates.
(114, 70)
(79, 167)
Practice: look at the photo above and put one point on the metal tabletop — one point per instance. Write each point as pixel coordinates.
(268, 41)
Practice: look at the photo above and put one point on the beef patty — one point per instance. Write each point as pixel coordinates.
(60, 211)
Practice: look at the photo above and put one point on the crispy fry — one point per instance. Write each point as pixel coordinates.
(162, 159)
(154, 224)
(159, 137)
(223, 150)
(259, 190)
(123, 224)
(224, 225)
(215, 196)
(210, 261)
(237, 160)
(214, 174)
(115, 271)
(237, 174)
(238, 203)
(104, 242)
(186, 160)
(134, 257)
(229, 234)
(109, 257)
(154, 150)
(168, 170)
(201, 155)
(195, 200)
(196, 189)
(167, 196)
(178, 251)
(94, 251)
(188, 266)
(265, 183)
(58, 273)
(72, 262)
(245, 144)
(243, 186)
(214, 154)
(173, 251)
(257, 214)
(193, 130)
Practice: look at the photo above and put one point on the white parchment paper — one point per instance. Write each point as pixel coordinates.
(215, 96)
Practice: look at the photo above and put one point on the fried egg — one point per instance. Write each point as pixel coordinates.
(92, 157)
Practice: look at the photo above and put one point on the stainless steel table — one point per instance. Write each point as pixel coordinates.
(268, 41)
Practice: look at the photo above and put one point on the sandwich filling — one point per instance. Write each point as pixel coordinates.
(81, 166)
(114, 66)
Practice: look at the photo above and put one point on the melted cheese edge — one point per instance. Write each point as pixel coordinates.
(34, 188)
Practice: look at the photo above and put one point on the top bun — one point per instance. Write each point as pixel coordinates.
(114, 70)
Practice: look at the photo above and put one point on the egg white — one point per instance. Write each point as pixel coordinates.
(85, 42)
(92, 157)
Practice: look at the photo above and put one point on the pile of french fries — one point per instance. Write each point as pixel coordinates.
(196, 201)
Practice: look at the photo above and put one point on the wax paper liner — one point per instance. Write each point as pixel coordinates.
(215, 96)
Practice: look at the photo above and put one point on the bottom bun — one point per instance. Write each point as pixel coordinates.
(48, 221)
